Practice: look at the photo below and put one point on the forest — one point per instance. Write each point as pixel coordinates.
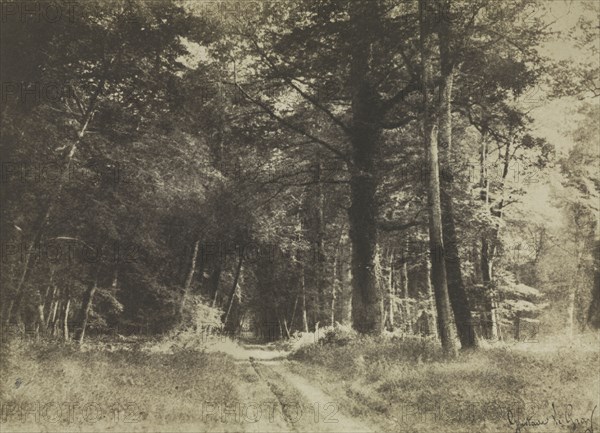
(331, 174)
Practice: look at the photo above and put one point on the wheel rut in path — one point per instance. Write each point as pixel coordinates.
(306, 408)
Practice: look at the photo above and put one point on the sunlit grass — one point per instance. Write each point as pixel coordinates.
(409, 386)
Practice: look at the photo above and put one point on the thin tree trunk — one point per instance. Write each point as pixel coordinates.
(285, 326)
(485, 254)
(407, 319)
(56, 317)
(50, 303)
(432, 305)
(436, 242)
(54, 307)
(333, 288)
(391, 291)
(66, 315)
(280, 327)
(293, 313)
(41, 225)
(304, 315)
(319, 253)
(50, 290)
(215, 277)
(573, 296)
(86, 305)
(336, 274)
(190, 277)
(39, 326)
(488, 245)
(234, 285)
(347, 275)
(593, 315)
(379, 279)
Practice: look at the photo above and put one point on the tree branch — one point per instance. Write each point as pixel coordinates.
(295, 128)
(290, 82)
(412, 86)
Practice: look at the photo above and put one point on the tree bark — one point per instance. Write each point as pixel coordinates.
(436, 243)
(456, 287)
(365, 141)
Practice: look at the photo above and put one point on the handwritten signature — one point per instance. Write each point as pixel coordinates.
(566, 419)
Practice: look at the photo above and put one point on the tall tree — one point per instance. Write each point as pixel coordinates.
(456, 288)
(436, 241)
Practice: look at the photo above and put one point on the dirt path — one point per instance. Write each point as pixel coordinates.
(295, 404)
(325, 411)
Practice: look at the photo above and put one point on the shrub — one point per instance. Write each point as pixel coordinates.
(338, 335)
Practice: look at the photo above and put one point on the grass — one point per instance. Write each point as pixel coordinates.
(408, 386)
(46, 387)
(397, 385)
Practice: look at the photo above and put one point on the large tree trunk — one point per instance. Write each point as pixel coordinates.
(436, 242)
(365, 140)
(456, 287)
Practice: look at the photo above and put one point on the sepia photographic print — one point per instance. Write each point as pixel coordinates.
(300, 216)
